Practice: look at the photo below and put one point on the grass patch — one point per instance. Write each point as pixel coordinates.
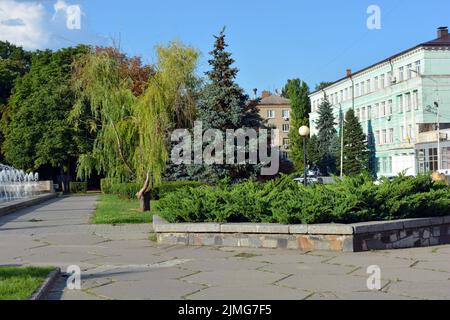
(114, 210)
(152, 237)
(20, 283)
(246, 255)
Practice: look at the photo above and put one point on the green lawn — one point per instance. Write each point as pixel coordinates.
(114, 210)
(20, 283)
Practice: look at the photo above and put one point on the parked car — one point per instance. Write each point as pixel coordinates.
(309, 179)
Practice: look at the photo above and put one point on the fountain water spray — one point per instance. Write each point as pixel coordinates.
(17, 184)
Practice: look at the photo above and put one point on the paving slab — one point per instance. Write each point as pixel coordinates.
(119, 262)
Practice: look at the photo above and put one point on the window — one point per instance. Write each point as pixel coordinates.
(389, 78)
(433, 159)
(346, 93)
(409, 72)
(416, 100)
(408, 101)
(390, 108)
(383, 108)
(377, 137)
(410, 132)
(363, 92)
(271, 114)
(391, 136)
(418, 68)
(377, 110)
(400, 103)
(421, 159)
(369, 113)
(401, 75)
(286, 127)
(285, 114)
(402, 133)
(357, 90)
(363, 114)
(341, 93)
(375, 84)
(383, 136)
(286, 142)
(382, 84)
(284, 155)
(369, 89)
(384, 165)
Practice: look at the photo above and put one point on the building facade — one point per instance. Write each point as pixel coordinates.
(399, 101)
(276, 111)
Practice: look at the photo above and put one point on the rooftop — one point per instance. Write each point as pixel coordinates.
(274, 100)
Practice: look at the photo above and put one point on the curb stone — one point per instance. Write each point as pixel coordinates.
(46, 286)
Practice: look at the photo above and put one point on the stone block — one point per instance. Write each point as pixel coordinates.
(298, 229)
(270, 243)
(304, 243)
(330, 229)
(377, 226)
(187, 227)
(269, 228)
(436, 231)
(348, 244)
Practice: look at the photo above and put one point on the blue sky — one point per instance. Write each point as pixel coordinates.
(271, 41)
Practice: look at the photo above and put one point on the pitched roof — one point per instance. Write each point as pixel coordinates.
(443, 41)
(274, 100)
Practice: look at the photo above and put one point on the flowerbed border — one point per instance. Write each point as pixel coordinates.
(365, 236)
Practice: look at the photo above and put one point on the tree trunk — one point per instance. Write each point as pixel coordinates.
(144, 201)
(144, 195)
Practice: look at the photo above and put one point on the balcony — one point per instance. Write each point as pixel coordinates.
(431, 136)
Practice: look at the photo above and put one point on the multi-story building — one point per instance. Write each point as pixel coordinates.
(276, 110)
(399, 102)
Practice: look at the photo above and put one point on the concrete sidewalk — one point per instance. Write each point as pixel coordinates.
(121, 263)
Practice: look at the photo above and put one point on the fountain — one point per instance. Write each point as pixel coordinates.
(16, 184)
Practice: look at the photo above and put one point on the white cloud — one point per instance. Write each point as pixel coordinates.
(37, 24)
(24, 24)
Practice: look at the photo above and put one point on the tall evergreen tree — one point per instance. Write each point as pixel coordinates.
(356, 152)
(327, 139)
(312, 150)
(222, 105)
(297, 92)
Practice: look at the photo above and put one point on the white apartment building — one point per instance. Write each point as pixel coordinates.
(399, 102)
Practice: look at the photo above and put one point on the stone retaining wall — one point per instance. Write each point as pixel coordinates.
(329, 237)
(12, 206)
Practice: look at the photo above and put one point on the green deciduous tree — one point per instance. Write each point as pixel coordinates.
(297, 92)
(133, 126)
(356, 155)
(327, 139)
(323, 85)
(14, 63)
(37, 131)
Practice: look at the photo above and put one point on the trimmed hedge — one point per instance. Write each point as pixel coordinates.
(78, 187)
(106, 185)
(129, 190)
(352, 200)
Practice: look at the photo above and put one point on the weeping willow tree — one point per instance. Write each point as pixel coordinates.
(133, 131)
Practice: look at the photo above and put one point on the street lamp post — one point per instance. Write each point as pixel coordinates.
(304, 133)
